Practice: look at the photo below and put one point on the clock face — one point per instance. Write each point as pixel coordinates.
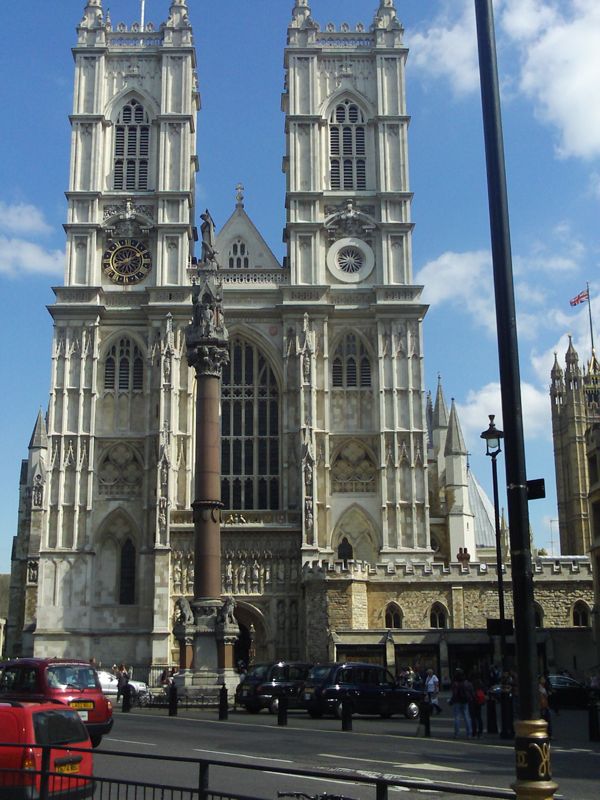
(126, 261)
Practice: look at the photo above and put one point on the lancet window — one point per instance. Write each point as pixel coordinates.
(351, 366)
(250, 431)
(347, 147)
(393, 616)
(438, 617)
(132, 148)
(239, 258)
(124, 368)
(581, 615)
(127, 574)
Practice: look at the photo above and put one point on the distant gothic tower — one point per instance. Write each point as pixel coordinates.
(575, 397)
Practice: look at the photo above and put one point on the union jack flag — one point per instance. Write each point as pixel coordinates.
(580, 298)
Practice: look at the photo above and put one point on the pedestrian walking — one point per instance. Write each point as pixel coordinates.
(476, 705)
(432, 689)
(462, 692)
(545, 704)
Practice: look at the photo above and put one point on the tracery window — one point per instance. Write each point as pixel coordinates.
(120, 473)
(239, 257)
(351, 366)
(132, 148)
(250, 431)
(124, 368)
(437, 616)
(353, 469)
(393, 616)
(127, 574)
(347, 147)
(581, 615)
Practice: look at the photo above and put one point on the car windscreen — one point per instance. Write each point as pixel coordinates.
(71, 676)
(319, 673)
(259, 672)
(58, 726)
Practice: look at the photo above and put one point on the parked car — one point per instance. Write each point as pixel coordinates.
(26, 725)
(371, 689)
(109, 685)
(265, 684)
(74, 683)
(566, 692)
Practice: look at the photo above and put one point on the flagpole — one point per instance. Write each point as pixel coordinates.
(590, 313)
(143, 15)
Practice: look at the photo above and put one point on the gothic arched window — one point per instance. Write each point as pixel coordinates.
(127, 574)
(581, 615)
(124, 368)
(437, 616)
(347, 147)
(393, 616)
(351, 366)
(132, 148)
(239, 257)
(250, 431)
(538, 615)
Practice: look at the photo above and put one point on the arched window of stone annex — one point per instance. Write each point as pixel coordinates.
(438, 617)
(393, 616)
(131, 148)
(250, 430)
(347, 147)
(351, 366)
(538, 615)
(124, 368)
(239, 257)
(127, 574)
(345, 551)
(120, 473)
(581, 615)
(353, 469)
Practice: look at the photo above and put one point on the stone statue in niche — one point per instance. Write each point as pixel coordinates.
(255, 576)
(32, 572)
(183, 611)
(228, 576)
(37, 492)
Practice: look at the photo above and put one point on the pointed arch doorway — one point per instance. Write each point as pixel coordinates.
(252, 644)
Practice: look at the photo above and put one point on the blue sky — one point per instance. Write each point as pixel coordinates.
(549, 62)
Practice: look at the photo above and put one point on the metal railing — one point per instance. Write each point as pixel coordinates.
(106, 786)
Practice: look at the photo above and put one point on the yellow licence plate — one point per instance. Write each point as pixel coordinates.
(81, 704)
(67, 769)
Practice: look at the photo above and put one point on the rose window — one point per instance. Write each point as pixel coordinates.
(350, 260)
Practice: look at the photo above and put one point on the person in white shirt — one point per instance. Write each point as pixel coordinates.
(432, 687)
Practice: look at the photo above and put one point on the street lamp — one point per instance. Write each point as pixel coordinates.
(493, 437)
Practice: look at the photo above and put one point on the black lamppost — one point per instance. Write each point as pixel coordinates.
(493, 437)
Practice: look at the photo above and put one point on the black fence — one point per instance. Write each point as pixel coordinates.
(113, 771)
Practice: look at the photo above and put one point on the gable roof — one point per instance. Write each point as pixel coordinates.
(240, 226)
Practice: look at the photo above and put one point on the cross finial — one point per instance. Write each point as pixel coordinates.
(239, 195)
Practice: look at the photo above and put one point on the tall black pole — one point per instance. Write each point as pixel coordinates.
(531, 742)
(499, 564)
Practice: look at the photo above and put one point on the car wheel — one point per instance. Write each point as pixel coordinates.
(412, 711)
(95, 739)
(274, 706)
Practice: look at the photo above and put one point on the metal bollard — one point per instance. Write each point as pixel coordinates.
(282, 711)
(172, 700)
(594, 721)
(425, 717)
(346, 714)
(126, 705)
(492, 722)
(223, 703)
(506, 716)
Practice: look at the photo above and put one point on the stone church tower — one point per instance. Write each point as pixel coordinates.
(347, 494)
(575, 397)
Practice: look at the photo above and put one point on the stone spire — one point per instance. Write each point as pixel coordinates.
(178, 14)
(385, 16)
(39, 437)
(300, 13)
(455, 443)
(572, 357)
(440, 412)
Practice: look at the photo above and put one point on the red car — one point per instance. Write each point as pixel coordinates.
(74, 683)
(24, 728)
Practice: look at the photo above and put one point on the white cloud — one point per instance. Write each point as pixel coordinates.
(18, 257)
(448, 49)
(523, 20)
(463, 280)
(22, 218)
(479, 403)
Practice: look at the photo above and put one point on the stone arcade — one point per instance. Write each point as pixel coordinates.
(346, 489)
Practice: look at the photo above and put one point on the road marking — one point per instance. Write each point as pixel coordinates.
(423, 766)
(320, 778)
(243, 755)
(129, 741)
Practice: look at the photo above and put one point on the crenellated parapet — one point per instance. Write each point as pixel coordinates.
(407, 571)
